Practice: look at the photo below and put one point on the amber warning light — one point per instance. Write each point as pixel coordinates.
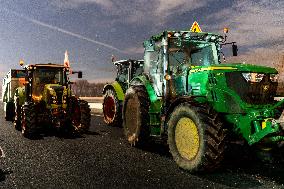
(21, 62)
(226, 30)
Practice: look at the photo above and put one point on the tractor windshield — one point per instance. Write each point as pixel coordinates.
(192, 54)
(43, 76)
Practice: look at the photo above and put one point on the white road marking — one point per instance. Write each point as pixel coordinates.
(96, 105)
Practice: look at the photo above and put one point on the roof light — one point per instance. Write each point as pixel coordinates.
(226, 30)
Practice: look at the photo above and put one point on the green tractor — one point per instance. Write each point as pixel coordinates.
(114, 92)
(46, 99)
(187, 98)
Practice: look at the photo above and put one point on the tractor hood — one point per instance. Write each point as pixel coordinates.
(236, 67)
(55, 94)
(53, 88)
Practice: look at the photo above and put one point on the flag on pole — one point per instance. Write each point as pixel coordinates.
(66, 60)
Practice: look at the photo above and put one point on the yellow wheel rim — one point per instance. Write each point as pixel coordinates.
(187, 138)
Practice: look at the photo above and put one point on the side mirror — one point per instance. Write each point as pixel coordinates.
(235, 50)
(80, 74)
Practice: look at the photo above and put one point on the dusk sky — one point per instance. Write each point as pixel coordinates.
(92, 30)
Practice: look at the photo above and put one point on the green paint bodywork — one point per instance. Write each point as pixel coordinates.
(245, 118)
(20, 94)
(155, 106)
(207, 84)
(117, 88)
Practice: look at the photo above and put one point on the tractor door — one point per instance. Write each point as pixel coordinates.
(179, 65)
(154, 69)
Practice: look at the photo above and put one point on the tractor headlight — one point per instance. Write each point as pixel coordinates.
(274, 77)
(253, 77)
(54, 101)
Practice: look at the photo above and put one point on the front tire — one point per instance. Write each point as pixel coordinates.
(112, 109)
(135, 116)
(196, 137)
(28, 120)
(10, 109)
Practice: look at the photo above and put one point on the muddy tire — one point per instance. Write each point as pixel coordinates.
(10, 109)
(28, 122)
(17, 119)
(112, 109)
(135, 116)
(196, 137)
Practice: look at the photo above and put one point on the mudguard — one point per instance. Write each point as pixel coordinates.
(117, 88)
(144, 81)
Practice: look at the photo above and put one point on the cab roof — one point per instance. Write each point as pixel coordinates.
(46, 65)
(185, 33)
(126, 61)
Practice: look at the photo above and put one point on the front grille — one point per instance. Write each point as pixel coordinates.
(59, 94)
(257, 93)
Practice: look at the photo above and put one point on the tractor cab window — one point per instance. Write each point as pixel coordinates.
(122, 72)
(183, 56)
(151, 62)
(204, 54)
(153, 67)
(49, 76)
(43, 76)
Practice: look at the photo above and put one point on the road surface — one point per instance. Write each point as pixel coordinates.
(102, 159)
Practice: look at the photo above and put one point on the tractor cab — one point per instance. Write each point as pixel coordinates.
(47, 83)
(46, 98)
(171, 55)
(127, 69)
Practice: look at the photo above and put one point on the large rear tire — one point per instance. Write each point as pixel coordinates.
(28, 120)
(135, 116)
(196, 137)
(10, 109)
(112, 109)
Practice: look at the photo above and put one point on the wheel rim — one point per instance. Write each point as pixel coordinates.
(132, 118)
(187, 138)
(109, 108)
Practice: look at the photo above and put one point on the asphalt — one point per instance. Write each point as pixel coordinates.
(103, 159)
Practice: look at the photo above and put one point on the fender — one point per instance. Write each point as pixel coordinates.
(144, 81)
(117, 88)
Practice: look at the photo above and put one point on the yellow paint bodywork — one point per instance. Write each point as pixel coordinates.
(197, 69)
(187, 138)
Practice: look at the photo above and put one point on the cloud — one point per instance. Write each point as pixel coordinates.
(257, 27)
(167, 7)
(262, 56)
(37, 22)
(70, 4)
(142, 12)
(253, 23)
(134, 50)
